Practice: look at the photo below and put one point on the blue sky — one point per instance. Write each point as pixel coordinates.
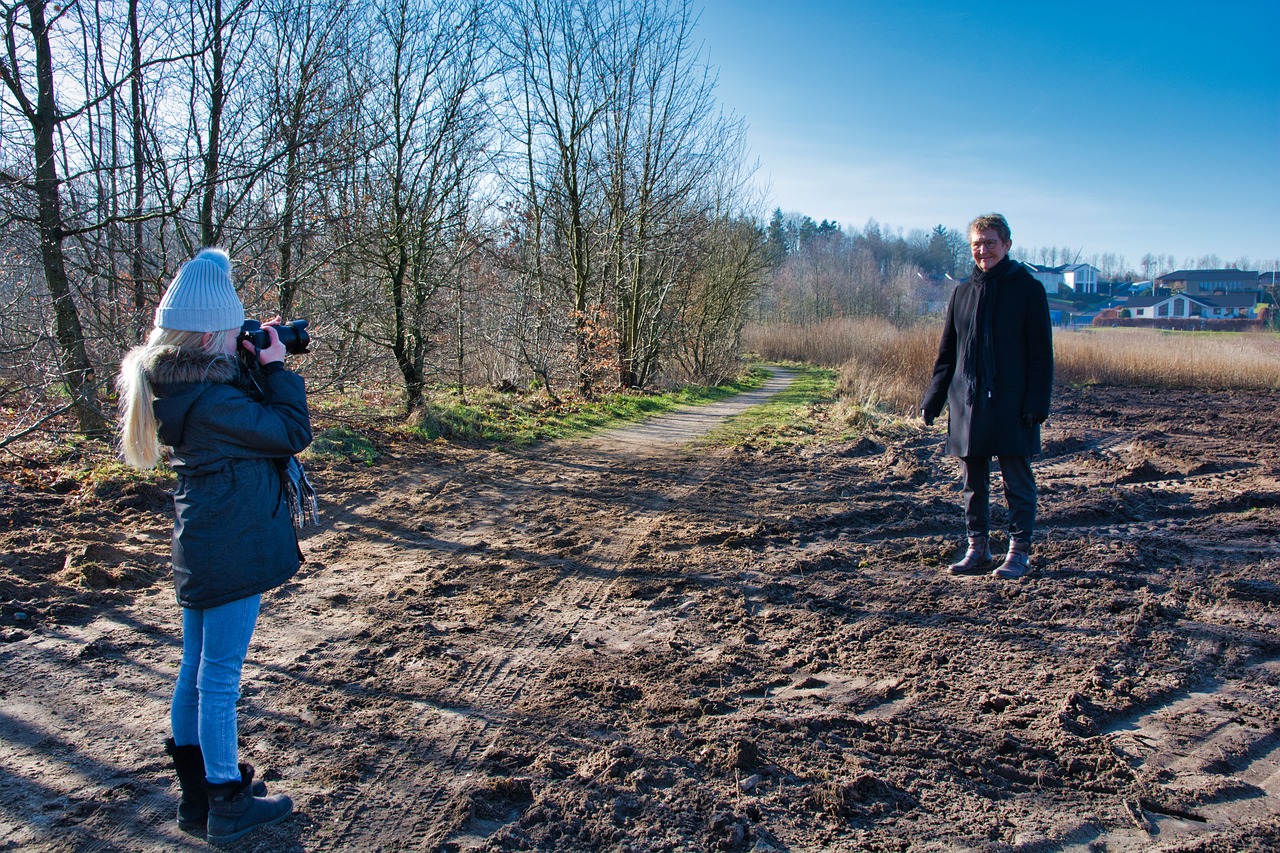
(1122, 127)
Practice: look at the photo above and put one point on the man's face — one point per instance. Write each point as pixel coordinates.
(988, 249)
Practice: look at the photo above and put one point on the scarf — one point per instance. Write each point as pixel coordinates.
(979, 358)
(303, 506)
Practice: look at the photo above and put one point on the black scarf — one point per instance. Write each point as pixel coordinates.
(979, 357)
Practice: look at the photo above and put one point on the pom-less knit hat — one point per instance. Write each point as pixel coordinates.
(201, 297)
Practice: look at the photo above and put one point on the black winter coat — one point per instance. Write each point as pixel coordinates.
(233, 536)
(1021, 362)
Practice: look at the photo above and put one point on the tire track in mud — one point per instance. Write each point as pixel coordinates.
(1164, 481)
(441, 788)
(420, 785)
(1208, 759)
(432, 772)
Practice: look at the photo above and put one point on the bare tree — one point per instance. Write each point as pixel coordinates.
(665, 147)
(613, 109)
(713, 306)
(218, 110)
(557, 100)
(125, 53)
(310, 52)
(428, 95)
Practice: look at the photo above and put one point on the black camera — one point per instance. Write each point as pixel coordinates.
(292, 334)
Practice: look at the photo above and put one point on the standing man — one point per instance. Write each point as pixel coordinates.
(994, 372)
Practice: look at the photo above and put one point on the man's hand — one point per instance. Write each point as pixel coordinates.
(926, 417)
(1033, 419)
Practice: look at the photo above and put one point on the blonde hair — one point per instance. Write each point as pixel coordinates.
(139, 439)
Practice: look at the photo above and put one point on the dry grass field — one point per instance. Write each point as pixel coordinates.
(887, 367)
(1157, 359)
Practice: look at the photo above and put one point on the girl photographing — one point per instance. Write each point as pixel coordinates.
(185, 398)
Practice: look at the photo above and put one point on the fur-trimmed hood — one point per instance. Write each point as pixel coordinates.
(179, 377)
(169, 365)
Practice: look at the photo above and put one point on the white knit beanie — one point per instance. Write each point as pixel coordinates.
(201, 297)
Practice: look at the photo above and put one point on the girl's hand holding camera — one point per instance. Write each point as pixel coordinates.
(276, 351)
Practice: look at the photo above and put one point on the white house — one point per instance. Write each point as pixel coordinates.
(1051, 277)
(1182, 305)
(1082, 278)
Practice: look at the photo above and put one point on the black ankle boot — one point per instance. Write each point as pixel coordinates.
(1016, 563)
(193, 807)
(234, 811)
(976, 560)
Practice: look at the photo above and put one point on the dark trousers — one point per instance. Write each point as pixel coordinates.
(1019, 492)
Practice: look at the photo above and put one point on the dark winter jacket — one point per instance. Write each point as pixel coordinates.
(997, 386)
(233, 536)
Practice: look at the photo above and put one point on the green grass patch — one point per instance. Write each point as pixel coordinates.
(342, 443)
(105, 475)
(799, 415)
(493, 417)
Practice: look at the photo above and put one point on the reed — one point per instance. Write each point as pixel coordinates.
(884, 367)
(1159, 359)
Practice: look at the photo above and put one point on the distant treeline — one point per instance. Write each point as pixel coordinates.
(821, 270)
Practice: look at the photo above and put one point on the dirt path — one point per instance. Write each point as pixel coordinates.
(631, 643)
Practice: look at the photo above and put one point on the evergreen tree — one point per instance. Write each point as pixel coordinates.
(940, 260)
(808, 233)
(775, 240)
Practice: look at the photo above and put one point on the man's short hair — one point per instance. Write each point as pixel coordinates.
(996, 222)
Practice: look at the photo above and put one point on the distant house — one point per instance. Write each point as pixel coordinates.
(1053, 278)
(1237, 306)
(1082, 278)
(1196, 282)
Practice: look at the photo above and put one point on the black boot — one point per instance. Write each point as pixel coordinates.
(1016, 563)
(976, 560)
(193, 807)
(234, 811)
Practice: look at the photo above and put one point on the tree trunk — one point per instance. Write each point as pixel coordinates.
(138, 269)
(212, 160)
(73, 358)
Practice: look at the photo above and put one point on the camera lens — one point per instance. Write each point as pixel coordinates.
(293, 335)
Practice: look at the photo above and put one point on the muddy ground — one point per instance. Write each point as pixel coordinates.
(633, 644)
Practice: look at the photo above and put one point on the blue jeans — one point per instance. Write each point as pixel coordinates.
(214, 645)
(1019, 492)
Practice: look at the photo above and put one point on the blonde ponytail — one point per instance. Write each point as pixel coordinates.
(139, 440)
